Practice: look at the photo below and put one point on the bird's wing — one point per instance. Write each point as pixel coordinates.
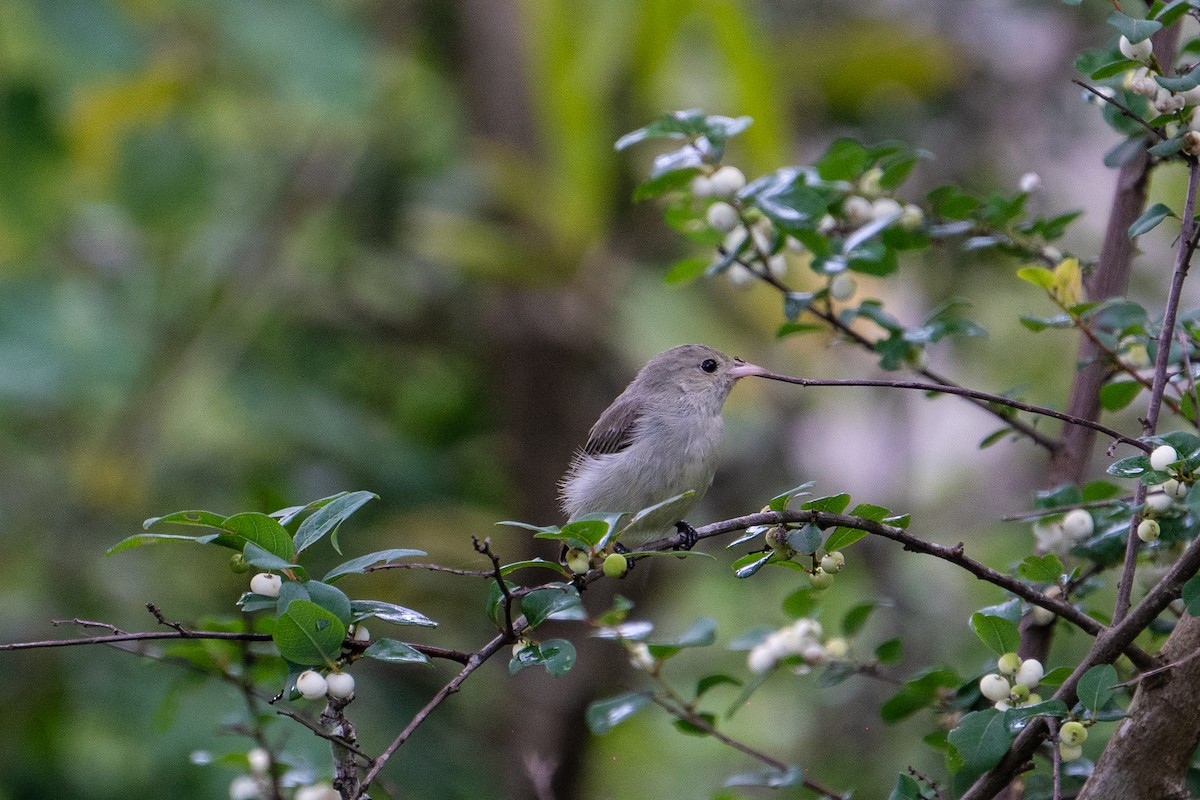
(613, 432)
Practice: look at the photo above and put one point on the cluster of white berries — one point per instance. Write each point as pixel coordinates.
(1058, 536)
(1071, 737)
(869, 204)
(312, 685)
(257, 785)
(1161, 497)
(801, 638)
(1141, 81)
(1012, 685)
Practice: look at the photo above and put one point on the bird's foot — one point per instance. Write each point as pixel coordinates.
(630, 563)
(690, 537)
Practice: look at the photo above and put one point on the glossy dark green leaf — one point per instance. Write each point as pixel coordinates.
(702, 634)
(261, 529)
(1116, 395)
(889, 652)
(857, 617)
(1114, 68)
(689, 728)
(326, 519)
(844, 160)
(395, 652)
(805, 539)
(997, 633)
(1149, 219)
(1015, 719)
(388, 612)
(833, 504)
(781, 501)
(604, 715)
(307, 634)
(358, 566)
(712, 681)
(331, 599)
(1096, 687)
(1180, 83)
(1041, 569)
(750, 563)
(918, 693)
(256, 556)
(554, 603)
(139, 539)
(982, 739)
(556, 656)
(1191, 595)
(843, 537)
(1135, 30)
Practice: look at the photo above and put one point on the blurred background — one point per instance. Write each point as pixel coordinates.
(254, 252)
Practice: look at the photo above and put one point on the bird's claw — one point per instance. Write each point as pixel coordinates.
(690, 537)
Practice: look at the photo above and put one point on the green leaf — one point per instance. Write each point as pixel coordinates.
(1038, 276)
(689, 124)
(1191, 595)
(604, 715)
(918, 693)
(906, 788)
(395, 652)
(204, 519)
(982, 739)
(139, 539)
(780, 502)
(857, 617)
(1041, 569)
(997, 633)
(669, 180)
(1130, 467)
(328, 517)
(1135, 30)
(685, 271)
(806, 539)
(388, 612)
(889, 652)
(1149, 219)
(531, 563)
(557, 656)
(1015, 719)
(309, 635)
(1114, 68)
(688, 728)
(258, 557)
(787, 197)
(1180, 83)
(1118, 394)
(750, 563)
(845, 160)
(1096, 687)
(586, 532)
(1056, 676)
(771, 778)
(553, 603)
(261, 529)
(833, 504)
(331, 599)
(358, 566)
(702, 634)
(844, 536)
(712, 681)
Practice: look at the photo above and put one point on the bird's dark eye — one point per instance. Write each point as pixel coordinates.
(708, 365)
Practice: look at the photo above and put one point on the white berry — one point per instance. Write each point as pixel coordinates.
(318, 791)
(821, 579)
(311, 684)
(912, 218)
(340, 684)
(1009, 663)
(727, 181)
(1078, 524)
(837, 648)
(723, 217)
(1162, 457)
(266, 584)
(1030, 182)
(1136, 52)
(361, 634)
(857, 209)
(1068, 752)
(885, 207)
(1158, 501)
(869, 183)
(994, 687)
(259, 760)
(245, 787)
(702, 186)
(1176, 490)
(842, 287)
(760, 660)
(1030, 673)
(1148, 530)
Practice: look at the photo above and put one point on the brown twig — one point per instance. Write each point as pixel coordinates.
(506, 597)
(986, 397)
(470, 573)
(1117, 104)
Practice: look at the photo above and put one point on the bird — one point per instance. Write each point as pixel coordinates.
(657, 440)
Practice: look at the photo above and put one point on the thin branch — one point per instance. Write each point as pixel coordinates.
(139, 637)
(506, 597)
(476, 660)
(1183, 260)
(986, 397)
(470, 573)
(341, 741)
(954, 555)
(1125, 112)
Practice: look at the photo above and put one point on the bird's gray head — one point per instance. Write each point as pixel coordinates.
(694, 371)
